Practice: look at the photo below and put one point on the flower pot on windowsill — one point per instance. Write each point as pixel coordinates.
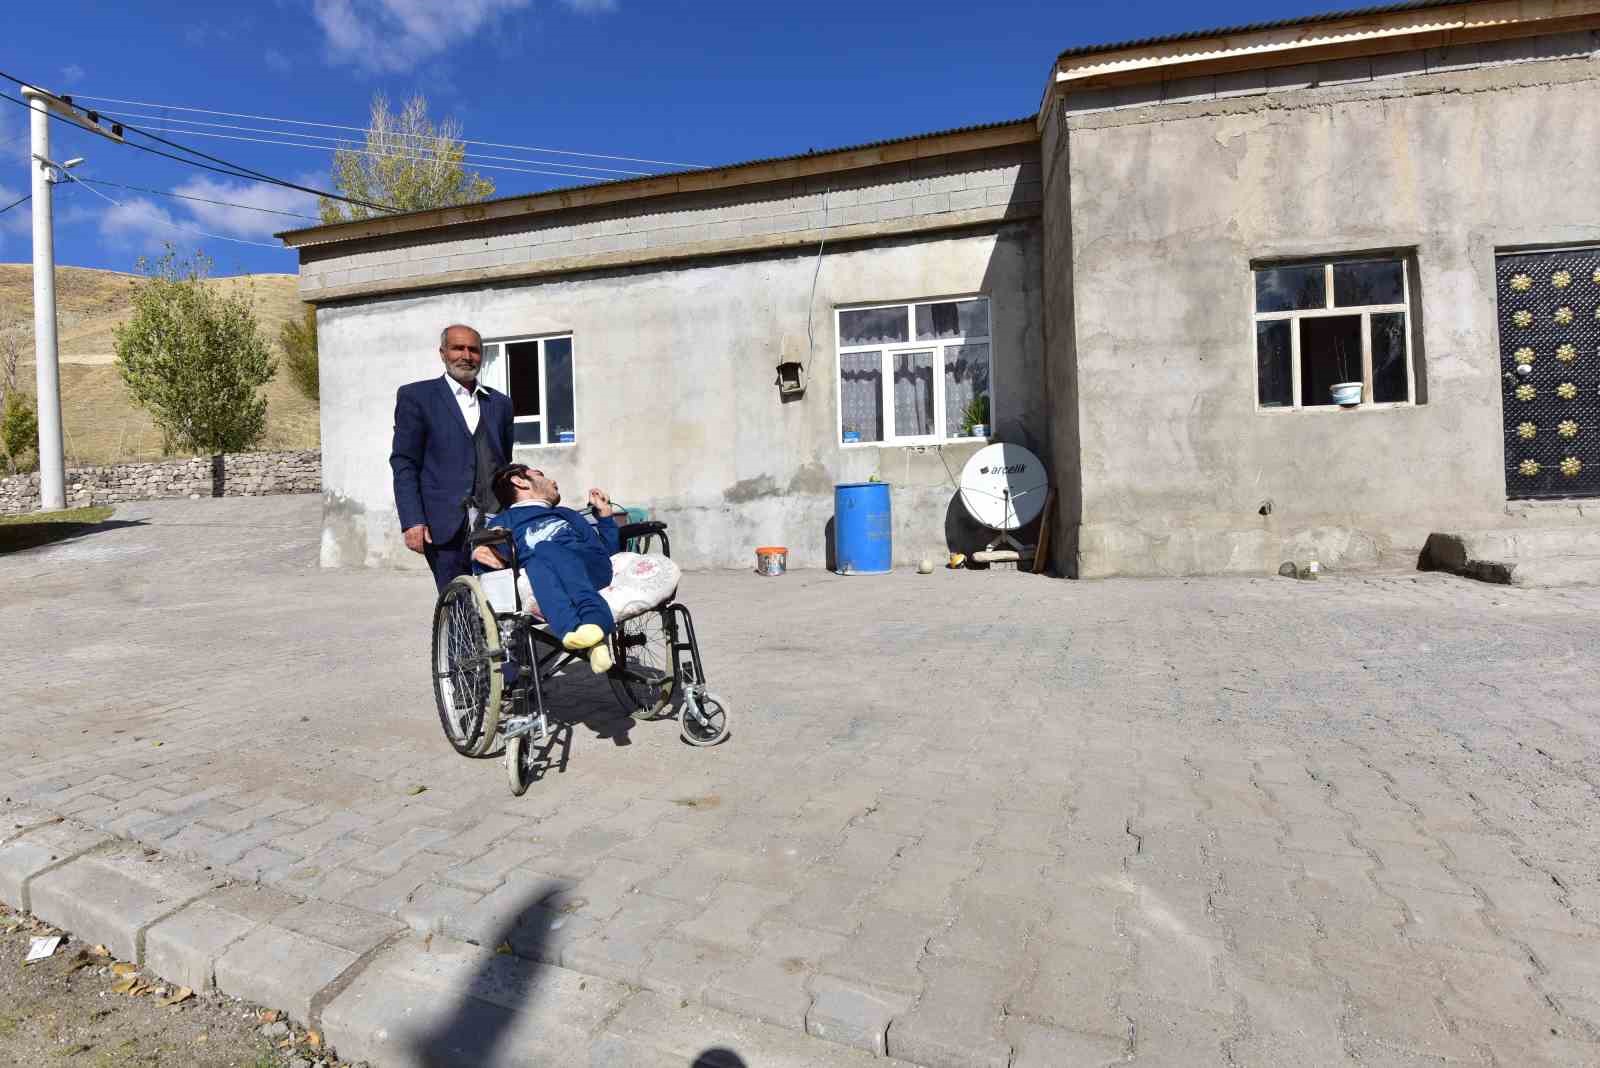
(1346, 394)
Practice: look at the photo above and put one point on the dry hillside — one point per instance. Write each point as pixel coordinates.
(101, 424)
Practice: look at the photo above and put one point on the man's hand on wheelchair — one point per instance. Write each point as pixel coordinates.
(417, 536)
(488, 557)
(601, 503)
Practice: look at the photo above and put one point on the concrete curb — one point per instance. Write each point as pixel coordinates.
(377, 990)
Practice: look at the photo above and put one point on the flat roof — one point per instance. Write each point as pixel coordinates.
(749, 172)
(1346, 34)
(1255, 27)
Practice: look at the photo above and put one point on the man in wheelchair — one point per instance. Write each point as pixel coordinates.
(566, 557)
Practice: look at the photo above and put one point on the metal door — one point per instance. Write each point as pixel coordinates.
(1550, 371)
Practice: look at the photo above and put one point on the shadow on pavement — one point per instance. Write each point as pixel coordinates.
(31, 534)
(477, 1026)
(509, 984)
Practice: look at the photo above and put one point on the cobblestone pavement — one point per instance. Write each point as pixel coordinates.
(981, 818)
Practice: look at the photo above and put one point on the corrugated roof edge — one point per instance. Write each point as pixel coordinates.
(1256, 27)
(1030, 120)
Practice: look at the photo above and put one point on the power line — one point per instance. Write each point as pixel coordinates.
(14, 203)
(393, 155)
(346, 143)
(202, 200)
(179, 224)
(143, 148)
(362, 129)
(239, 170)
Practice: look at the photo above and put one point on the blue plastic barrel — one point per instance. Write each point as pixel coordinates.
(862, 525)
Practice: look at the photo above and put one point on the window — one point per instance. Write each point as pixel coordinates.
(911, 373)
(1320, 324)
(536, 373)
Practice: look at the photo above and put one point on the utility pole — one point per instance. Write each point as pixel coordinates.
(47, 368)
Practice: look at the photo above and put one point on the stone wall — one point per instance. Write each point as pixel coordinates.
(244, 475)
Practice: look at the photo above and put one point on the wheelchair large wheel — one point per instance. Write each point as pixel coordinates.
(467, 682)
(643, 649)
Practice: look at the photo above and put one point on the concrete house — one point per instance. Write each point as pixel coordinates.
(1156, 282)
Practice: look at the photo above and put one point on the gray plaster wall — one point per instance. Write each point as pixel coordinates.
(984, 182)
(1169, 206)
(677, 410)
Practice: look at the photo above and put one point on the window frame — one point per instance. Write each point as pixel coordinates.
(503, 377)
(888, 351)
(1331, 310)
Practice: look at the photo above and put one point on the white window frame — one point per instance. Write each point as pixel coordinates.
(1366, 311)
(890, 350)
(498, 372)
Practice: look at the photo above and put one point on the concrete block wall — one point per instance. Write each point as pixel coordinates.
(242, 475)
(991, 182)
(677, 410)
(1169, 208)
(1343, 72)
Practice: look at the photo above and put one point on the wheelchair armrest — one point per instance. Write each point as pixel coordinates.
(639, 530)
(489, 536)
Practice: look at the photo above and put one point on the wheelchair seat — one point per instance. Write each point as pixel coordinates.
(639, 583)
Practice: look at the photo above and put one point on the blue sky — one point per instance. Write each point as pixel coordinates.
(695, 83)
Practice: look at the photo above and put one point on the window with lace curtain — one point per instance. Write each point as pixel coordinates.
(915, 372)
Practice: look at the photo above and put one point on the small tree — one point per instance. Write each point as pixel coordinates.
(19, 416)
(407, 163)
(194, 358)
(298, 339)
(19, 431)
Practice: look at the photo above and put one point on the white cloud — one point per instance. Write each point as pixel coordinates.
(139, 224)
(71, 74)
(386, 36)
(18, 222)
(241, 221)
(277, 61)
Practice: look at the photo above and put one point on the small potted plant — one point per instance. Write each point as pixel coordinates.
(975, 417)
(1346, 394)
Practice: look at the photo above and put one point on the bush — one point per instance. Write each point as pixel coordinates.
(19, 431)
(195, 359)
(299, 343)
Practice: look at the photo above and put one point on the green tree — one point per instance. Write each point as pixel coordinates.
(407, 163)
(19, 431)
(298, 339)
(194, 358)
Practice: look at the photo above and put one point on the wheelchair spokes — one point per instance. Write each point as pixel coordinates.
(466, 675)
(643, 679)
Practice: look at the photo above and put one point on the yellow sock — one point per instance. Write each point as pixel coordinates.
(587, 634)
(600, 659)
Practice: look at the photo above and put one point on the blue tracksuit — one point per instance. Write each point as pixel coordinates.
(567, 559)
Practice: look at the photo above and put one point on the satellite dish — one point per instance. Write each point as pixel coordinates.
(1003, 486)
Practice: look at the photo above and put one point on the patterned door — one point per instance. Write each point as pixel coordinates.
(1550, 372)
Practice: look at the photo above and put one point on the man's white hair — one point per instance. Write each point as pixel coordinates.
(444, 335)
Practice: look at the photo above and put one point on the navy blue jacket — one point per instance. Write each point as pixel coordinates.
(433, 456)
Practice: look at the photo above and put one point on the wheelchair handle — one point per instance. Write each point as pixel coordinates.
(489, 536)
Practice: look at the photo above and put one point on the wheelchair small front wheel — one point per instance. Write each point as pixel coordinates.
(467, 683)
(516, 772)
(703, 720)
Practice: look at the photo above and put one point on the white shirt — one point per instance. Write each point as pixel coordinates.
(467, 401)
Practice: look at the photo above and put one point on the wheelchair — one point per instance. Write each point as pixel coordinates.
(494, 661)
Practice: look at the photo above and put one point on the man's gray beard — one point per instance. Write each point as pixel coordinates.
(470, 381)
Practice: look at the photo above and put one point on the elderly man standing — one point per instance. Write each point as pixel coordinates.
(450, 436)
